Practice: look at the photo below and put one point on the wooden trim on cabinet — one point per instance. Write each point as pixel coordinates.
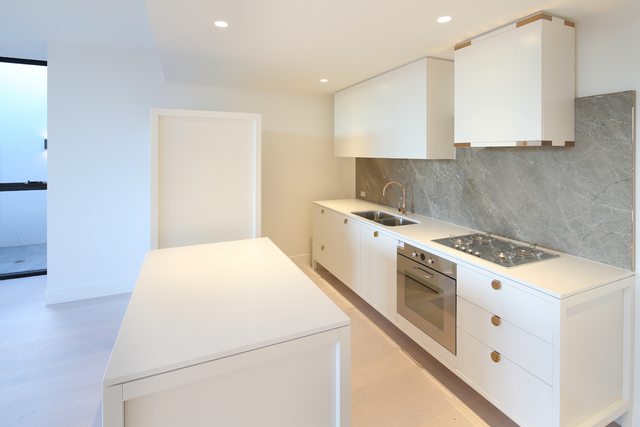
(521, 143)
(462, 144)
(569, 23)
(546, 143)
(569, 143)
(534, 18)
(461, 45)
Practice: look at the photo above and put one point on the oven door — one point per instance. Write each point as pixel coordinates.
(427, 299)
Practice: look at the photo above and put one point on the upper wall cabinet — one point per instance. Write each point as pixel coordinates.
(515, 86)
(406, 113)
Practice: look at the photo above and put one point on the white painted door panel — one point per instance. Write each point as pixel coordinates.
(378, 275)
(411, 111)
(206, 180)
(381, 107)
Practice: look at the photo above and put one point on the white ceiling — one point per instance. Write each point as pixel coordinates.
(269, 44)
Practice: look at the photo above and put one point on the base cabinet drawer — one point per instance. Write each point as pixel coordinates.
(525, 396)
(500, 297)
(524, 349)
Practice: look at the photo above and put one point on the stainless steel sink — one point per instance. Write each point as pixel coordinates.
(393, 222)
(385, 218)
(374, 215)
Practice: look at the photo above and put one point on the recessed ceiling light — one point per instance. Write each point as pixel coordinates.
(444, 19)
(221, 24)
(324, 80)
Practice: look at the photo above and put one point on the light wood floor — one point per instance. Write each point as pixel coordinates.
(53, 358)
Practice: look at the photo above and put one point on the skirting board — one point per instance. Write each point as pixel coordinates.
(94, 290)
(301, 260)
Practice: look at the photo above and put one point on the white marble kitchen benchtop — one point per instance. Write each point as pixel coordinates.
(558, 277)
(201, 303)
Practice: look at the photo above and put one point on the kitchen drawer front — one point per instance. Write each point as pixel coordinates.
(522, 348)
(519, 392)
(324, 256)
(522, 309)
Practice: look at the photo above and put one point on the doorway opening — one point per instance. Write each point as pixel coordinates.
(23, 168)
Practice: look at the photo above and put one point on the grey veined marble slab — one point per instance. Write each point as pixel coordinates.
(577, 200)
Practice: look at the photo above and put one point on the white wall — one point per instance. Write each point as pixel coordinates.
(608, 60)
(23, 127)
(99, 183)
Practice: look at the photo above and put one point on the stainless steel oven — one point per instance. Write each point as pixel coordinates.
(427, 293)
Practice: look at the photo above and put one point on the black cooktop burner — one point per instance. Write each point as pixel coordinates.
(499, 251)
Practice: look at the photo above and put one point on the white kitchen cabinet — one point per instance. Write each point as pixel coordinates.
(410, 114)
(381, 113)
(538, 358)
(324, 237)
(351, 121)
(336, 245)
(515, 86)
(561, 327)
(347, 251)
(378, 272)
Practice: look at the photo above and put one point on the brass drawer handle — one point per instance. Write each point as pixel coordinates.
(495, 320)
(495, 356)
(496, 284)
(375, 234)
(322, 211)
(345, 221)
(322, 248)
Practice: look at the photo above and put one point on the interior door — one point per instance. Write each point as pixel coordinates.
(205, 180)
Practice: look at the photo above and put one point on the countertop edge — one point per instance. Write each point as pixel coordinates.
(484, 266)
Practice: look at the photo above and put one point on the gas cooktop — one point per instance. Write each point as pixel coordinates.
(502, 252)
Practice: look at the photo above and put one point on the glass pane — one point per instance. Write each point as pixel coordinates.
(23, 231)
(425, 301)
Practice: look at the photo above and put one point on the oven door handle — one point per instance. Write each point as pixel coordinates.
(423, 273)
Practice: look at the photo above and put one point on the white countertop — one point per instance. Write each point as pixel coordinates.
(558, 277)
(199, 303)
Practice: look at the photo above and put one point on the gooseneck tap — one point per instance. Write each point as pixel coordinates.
(402, 208)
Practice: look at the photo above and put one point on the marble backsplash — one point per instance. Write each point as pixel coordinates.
(577, 200)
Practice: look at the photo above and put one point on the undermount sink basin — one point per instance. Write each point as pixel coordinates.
(385, 218)
(393, 222)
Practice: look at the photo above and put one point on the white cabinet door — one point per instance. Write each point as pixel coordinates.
(411, 111)
(342, 122)
(378, 273)
(382, 121)
(386, 117)
(360, 120)
(347, 251)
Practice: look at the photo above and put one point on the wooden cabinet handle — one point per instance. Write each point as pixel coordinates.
(375, 234)
(322, 248)
(495, 356)
(345, 221)
(322, 211)
(495, 320)
(496, 284)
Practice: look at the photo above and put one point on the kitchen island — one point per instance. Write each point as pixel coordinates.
(229, 334)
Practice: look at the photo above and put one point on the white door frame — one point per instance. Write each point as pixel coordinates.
(156, 113)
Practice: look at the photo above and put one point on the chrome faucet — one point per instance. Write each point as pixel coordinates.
(402, 208)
